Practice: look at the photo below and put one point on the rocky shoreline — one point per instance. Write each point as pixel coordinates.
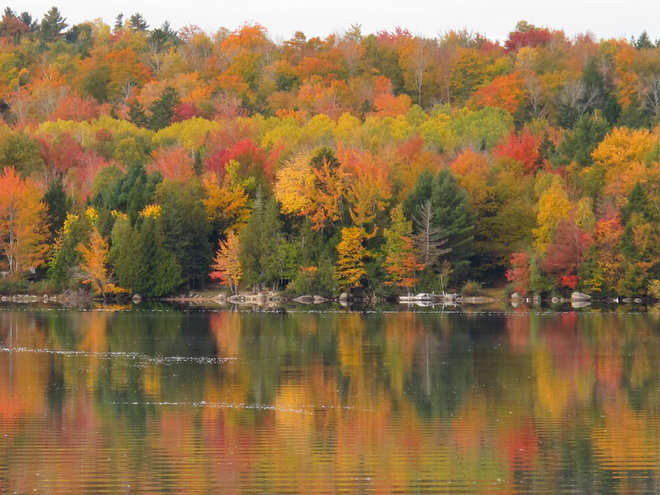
(67, 298)
(272, 299)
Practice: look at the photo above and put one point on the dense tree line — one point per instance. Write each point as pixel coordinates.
(153, 160)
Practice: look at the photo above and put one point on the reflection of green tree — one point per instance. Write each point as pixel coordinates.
(578, 462)
(277, 344)
(63, 328)
(127, 404)
(443, 369)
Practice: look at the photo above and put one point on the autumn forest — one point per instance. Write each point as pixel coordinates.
(141, 159)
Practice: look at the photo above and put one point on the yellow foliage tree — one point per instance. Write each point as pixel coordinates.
(191, 133)
(225, 199)
(623, 154)
(314, 192)
(293, 182)
(554, 206)
(352, 253)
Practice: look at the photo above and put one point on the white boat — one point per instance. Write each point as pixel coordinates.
(422, 296)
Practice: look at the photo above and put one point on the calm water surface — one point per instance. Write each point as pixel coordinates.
(229, 402)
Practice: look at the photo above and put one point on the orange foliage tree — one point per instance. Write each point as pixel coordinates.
(313, 187)
(23, 230)
(94, 265)
(471, 170)
(507, 92)
(175, 164)
(607, 260)
(400, 260)
(368, 190)
(227, 264)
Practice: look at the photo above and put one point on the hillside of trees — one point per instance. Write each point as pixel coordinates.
(144, 159)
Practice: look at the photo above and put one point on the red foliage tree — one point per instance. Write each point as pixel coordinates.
(186, 110)
(524, 148)
(81, 178)
(566, 253)
(61, 153)
(12, 27)
(528, 37)
(252, 159)
(391, 38)
(519, 274)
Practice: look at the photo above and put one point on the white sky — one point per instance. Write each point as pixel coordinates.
(492, 18)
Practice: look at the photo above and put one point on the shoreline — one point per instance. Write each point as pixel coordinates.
(270, 299)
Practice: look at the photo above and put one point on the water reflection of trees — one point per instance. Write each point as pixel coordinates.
(539, 400)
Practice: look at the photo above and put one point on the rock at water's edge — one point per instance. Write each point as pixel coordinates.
(579, 296)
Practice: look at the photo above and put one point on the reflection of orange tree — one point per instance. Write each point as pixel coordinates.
(179, 439)
(563, 366)
(23, 385)
(95, 341)
(390, 446)
(233, 386)
(23, 391)
(626, 440)
(81, 433)
(76, 440)
(575, 355)
(518, 329)
(608, 358)
(226, 328)
(469, 429)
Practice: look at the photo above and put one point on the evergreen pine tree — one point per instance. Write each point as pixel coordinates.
(51, 25)
(137, 115)
(141, 260)
(261, 245)
(578, 143)
(186, 229)
(123, 253)
(57, 205)
(443, 221)
(159, 272)
(162, 109)
(451, 212)
(137, 22)
(65, 257)
(119, 23)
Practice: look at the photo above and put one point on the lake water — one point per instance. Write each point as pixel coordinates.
(238, 402)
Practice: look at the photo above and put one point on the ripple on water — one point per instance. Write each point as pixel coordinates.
(165, 360)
